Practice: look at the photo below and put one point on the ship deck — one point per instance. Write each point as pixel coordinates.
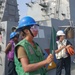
(53, 72)
(50, 72)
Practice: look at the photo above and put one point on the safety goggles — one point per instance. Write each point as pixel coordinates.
(34, 27)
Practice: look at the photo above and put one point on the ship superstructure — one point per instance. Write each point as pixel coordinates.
(9, 17)
(47, 9)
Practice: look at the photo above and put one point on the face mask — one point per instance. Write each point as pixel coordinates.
(34, 28)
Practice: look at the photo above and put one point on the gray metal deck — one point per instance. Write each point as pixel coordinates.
(51, 72)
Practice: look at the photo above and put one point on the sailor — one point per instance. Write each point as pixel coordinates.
(29, 58)
(10, 53)
(62, 56)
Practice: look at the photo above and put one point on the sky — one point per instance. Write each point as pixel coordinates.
(22, 7)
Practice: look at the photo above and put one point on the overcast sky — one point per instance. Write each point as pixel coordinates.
(22, 7)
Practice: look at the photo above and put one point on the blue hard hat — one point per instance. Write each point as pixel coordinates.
(26, 21)
(13, 34)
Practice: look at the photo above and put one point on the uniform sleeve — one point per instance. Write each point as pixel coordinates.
(21, 52)
(8, 48)
(69, 43)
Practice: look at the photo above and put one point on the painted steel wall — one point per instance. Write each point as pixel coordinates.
(7, 25)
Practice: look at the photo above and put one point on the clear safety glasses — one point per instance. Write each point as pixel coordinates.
(35, 28)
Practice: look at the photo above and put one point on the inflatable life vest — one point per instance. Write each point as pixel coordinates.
(70, 50)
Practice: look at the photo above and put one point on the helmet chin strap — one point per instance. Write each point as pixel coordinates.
(31, 33)
(23, 32)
